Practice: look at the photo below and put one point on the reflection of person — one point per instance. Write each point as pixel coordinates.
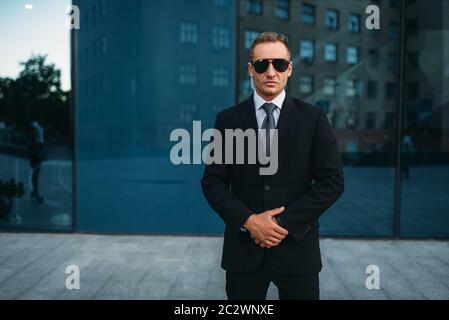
(272, 230)
(36, 154)
(407, 148)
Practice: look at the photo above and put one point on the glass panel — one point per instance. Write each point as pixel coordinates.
(425, 134)
(35, 124)
(166, 65)
(358, 95)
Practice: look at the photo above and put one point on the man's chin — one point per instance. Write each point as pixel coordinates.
(271, 92)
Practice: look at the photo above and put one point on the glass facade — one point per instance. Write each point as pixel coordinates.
(144, 69)
(424, 205)
(36, 136)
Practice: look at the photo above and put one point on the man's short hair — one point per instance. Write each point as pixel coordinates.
(268, 37)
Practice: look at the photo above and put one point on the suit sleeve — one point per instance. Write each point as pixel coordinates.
(328, 185)
(216, 184)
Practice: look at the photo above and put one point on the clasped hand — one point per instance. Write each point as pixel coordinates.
(264, 229)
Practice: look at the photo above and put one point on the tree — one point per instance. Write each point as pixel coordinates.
(38, 87)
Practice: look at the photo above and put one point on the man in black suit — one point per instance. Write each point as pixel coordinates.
(271, 232)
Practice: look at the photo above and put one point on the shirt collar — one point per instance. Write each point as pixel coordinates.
(278, 101)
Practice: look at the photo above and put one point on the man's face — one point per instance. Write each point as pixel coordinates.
(271, 82)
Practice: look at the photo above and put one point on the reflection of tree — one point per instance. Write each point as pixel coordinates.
(38, 87)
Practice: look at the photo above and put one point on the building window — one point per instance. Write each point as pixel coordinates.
(412, 90)
(250, 36)
(352, 55)
(245, 88)
(103, 7)
(389, 120)
(220, 77)
(187, 112)
(354, 23)
(370, 120)
(216, 109)
(354, 88)
(253, 6)
(390, 90)
(188, 74)
(330, 52)
(86, 23)
(104, 44)
(307, 50)
(94, 16)
(393, 61)
(308, 13)
(281, 9)
(331, 20)
(221, 37)
(94, 50)
(330, 86)
(222, 3)
(372, 89)
(393, 30)
(373, 57)
(394, 4)
(306, 83)
(189, 32)
(413, 59)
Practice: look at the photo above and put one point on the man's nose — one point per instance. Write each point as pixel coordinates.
(271, 71)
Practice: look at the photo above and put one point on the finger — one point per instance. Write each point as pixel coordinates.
(256, 241)
(278, 229)
(275, 236)
(274, 240)
(264, 245)
(269, 243)
(275, 233)
(276, 211)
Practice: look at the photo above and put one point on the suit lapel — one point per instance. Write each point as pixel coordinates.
(248, 114)
(287, 118)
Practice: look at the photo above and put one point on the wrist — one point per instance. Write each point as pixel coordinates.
(248, 221)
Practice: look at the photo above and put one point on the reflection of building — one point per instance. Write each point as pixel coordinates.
(144, 68)
(338, 64)
(426, 91)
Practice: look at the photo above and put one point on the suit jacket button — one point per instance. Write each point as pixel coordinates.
(267, 187)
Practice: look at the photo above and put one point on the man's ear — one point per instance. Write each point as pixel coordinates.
(250, 70)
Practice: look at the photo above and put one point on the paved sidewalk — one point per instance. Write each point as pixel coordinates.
(32, 266)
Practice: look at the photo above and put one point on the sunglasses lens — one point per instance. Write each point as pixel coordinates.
(280, 65)
(261, 65)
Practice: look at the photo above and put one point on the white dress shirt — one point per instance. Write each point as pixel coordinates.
(260, 112)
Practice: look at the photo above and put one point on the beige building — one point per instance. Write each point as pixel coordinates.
(339, 64)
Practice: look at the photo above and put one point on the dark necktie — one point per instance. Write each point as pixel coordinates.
(268, 124)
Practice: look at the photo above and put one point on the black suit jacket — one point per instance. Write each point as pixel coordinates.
(309, 180)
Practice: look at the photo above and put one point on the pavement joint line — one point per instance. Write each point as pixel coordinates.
(52, 270)
(32, 262)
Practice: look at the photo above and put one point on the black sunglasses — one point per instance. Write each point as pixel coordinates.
(261, 65)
